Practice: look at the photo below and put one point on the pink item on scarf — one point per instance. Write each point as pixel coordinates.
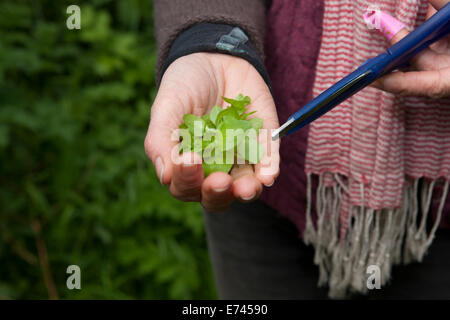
(370, 154)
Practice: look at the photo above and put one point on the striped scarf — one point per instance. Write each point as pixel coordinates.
(379, 157)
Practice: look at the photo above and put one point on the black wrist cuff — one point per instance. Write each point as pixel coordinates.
(212, 37)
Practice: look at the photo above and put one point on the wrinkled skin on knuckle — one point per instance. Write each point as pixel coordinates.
(437, 88)
(185, 195)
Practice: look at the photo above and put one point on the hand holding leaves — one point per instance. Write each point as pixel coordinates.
(224, 136)
(189, 89)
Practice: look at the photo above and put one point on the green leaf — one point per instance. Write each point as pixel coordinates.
(239, 103)
(214, 113)
(223, 132)
(208, 122)
(192, 122)
(37, 198)
(250, 150)
(232, 123)
(209, 136)
(210, 168)
(256, 124)
(218, 162)
(231, 112)
(186, 145)
(245, 115)
(186, 137)
(232, 131)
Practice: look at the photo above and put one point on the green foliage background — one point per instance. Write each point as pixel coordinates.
(76, 186)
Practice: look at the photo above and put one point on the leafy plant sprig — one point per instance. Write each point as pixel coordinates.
(223, 136)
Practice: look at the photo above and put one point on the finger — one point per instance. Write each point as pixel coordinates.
(217, 193)
(431, 10)
(438, 4)
(187, 178)
(246, 187)
(267, 169)
(434, 84)
(161, 140)
(425, 60)
(384, 23)
(441, 46)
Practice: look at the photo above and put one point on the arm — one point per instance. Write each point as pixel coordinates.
(174, 16)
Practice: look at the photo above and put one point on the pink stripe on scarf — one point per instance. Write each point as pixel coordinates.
(374, 138)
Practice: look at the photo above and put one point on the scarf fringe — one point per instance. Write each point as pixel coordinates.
(383, 237)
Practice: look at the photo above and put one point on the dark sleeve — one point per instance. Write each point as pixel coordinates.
(172, 17)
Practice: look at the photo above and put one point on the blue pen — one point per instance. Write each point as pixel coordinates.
(395, 57)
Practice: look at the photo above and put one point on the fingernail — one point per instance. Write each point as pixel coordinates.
(219, 190)
(159, 166)
(385, 23)
(387, 82)
(249, 198)
(269, 185)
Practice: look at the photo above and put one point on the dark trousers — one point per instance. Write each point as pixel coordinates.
(257, 254)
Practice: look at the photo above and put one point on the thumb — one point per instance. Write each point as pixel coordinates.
(162, 138)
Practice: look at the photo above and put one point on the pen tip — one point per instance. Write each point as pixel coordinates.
(275, 135)
(281, 131)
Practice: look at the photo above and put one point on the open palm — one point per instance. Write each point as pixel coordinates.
(194, 84)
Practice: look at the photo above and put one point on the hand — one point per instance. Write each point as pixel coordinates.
(431, 76)
(194, 84)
